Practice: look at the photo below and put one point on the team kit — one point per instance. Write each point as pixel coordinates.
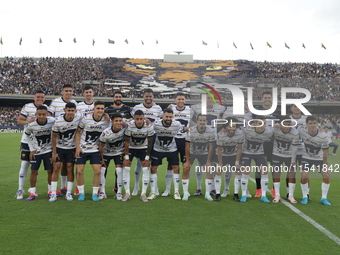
(66, 135)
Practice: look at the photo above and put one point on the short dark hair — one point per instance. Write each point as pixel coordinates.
(39, 92)
(139, 112)
(326, 127)
(200, 114)
(168, 110)
(116, 115)
(67, 86)
(147, 91)
(70, 105)
(311, 117)
(87, 88)
(231, 120)
(267, 93)
(99, 102)
(41, 107)
(180, 94)
(117, 92)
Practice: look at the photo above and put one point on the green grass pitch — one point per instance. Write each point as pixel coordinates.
(161, 226)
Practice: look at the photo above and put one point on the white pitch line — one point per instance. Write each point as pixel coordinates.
(329, 234)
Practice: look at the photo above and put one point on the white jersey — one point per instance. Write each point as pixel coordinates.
(301, 123)
(253, 143)
(85, 108)
(29, 110)
(212, 113)
(57, 106)
(313, 145)
(229, 113)
(66, 131)
(41, 136)
(229, 144)
(92, 129)
(199, 142)
(114, 141)
(153, 113)
(165, 141)
(284, 142)
(139, 136)
(182, 116)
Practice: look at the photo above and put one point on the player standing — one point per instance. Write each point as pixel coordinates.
(165, 147)
(182, 115)
(64, 146)
(86, 107)
(199, 145)
(87, 144)
(57, 107)
(286, 141)
(38, 136)
(255, 136)
(138, 143)
(315, 154)
(229, 148)
(27, 115)
(112, 147)
(153, 112)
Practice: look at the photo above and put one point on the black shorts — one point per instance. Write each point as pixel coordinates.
(118, 159)
(202, 159)
(138, 153)
(46, 158)
(180, 143)
(268, 151)
(156, 158)
(278, 161)
(94, 158)
(311, 165)
(229, 160)
(247, 158)
(65, 154)
(24, 152)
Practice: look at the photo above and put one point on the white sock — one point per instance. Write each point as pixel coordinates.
(95, 190)
(33, 190)
(277, 188)
(304, 188)
(153, 179)
(237, 183)
(264, 184)
(23, 174)
(126, 179)
(69, 187)
(227, 177)
(54, 187)
(291, 189)
(199, 177)
(208, 186)
(119, 172)
(185, 184)
(63, 181)
(176, 182)
(81, 189)
(168, 179)
(324, 189)
(217, 181)
(244, 184)
(49, 187)
(213, 183)
(145, 179)
(138, 172)
(102, 179)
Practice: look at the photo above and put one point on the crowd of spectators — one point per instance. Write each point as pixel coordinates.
(26, 75)
(9, 116)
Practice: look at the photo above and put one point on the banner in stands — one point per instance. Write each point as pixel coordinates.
(11, 129)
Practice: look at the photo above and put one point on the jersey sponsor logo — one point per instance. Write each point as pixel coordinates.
(182, 116)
